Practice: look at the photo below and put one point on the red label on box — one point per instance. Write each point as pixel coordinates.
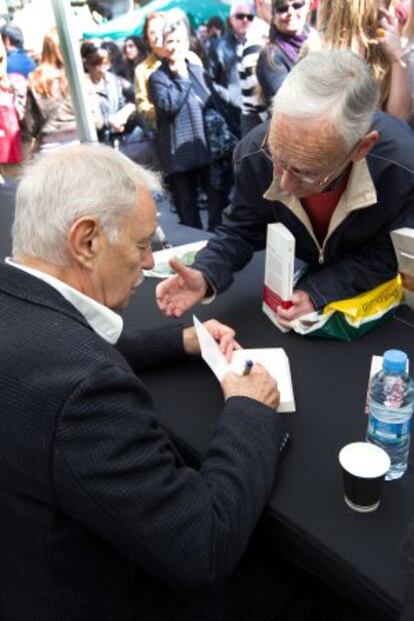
(273, 300)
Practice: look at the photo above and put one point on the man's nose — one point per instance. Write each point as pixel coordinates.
(147, 262)
(287, 181)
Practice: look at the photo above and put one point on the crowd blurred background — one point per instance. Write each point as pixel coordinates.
(178, 96)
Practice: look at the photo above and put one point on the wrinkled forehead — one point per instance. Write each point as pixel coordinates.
(305, 139)
(141, 221)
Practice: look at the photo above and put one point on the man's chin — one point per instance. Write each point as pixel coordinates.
(301, 194)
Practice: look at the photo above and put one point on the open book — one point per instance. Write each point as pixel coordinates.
(274, 359)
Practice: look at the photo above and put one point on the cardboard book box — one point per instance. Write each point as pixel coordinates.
(279, 270)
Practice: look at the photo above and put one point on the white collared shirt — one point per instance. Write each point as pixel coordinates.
(102, 319)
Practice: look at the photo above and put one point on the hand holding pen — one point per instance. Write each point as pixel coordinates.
(254, 382)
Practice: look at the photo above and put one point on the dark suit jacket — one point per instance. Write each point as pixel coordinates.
(98, 521)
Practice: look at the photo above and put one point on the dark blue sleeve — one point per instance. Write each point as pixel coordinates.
(271, 71)
(242, 231)
(167, 95)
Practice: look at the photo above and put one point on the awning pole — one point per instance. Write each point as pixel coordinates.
(74, 70)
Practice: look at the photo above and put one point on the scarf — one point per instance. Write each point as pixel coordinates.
(290, 45)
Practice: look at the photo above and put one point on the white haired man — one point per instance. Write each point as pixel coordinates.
(99, 519)
(331, 169)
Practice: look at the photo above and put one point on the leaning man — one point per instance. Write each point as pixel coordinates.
(99, 518)
(337, 173)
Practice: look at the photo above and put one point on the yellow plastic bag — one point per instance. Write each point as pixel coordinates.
(352, 318)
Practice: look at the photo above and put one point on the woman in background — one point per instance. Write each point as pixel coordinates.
(288, 32)
(50, 118)
(371, 29)
(134, 51)
(116, 59)
(153, 28)
(108, 88)
(180, 94)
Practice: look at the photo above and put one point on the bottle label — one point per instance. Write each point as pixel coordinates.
(388, 432)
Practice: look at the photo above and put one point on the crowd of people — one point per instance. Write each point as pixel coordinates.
(179, 101)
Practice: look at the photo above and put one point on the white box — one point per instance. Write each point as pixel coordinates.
(279, 269)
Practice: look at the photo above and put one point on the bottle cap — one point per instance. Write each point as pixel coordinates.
(394, 361)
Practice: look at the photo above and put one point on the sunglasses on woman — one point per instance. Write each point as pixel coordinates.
(284, 8)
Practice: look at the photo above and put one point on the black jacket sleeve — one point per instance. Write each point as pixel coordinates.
(115, 473)
(149, 348)
(271, 70)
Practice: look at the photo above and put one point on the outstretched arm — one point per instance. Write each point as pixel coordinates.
(180, 292)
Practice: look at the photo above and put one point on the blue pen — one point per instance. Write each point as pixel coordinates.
(247, 367)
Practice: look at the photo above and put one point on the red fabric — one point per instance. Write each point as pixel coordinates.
(320, 208)
(10, 143)
(314, 5)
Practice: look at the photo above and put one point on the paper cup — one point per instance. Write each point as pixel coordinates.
(364, 467)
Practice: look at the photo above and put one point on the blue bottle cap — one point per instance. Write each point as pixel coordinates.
(394, 361)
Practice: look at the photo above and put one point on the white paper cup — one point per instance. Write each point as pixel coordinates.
(364, 467)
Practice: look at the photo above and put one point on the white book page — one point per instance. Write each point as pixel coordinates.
(210, 351)
(274, 359)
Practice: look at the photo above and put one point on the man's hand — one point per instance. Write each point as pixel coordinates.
(407, 281)
(259, 385)
(224, 335)
(180, 292)
(301, 305)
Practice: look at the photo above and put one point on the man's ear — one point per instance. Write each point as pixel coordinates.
(365, 145)
(84, 240)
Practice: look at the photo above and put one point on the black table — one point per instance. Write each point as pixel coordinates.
(307, 518)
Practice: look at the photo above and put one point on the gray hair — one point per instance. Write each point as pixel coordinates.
(175, 19)
(75, 181)
(333, 83)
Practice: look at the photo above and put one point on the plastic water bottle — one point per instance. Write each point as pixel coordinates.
(391, 401)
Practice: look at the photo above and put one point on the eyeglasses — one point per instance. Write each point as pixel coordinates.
(305, 178)
(247, 16)
(284, 8)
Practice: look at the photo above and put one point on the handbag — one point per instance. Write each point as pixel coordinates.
(221, 140)
(10, 144)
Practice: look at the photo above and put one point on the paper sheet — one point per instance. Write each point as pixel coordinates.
(210, 351)
(273, 358)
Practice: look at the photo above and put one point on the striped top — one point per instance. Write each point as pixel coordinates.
(257, 37)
